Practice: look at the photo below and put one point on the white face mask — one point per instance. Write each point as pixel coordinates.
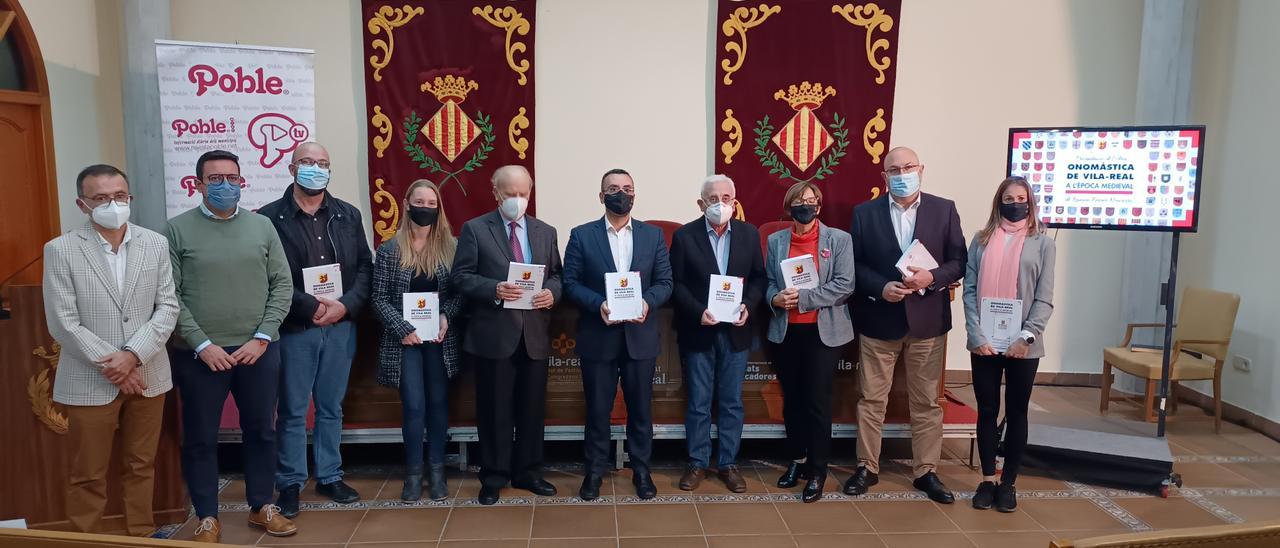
(513, 208)
(111, 215)
(717, 214)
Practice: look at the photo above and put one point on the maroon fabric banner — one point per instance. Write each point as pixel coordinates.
(804, 92)
(449, 93)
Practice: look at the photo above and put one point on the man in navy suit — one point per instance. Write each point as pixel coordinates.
(612, 349)
(903, 318)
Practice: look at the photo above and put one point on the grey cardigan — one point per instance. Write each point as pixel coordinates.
(1035, 288)
(835, 268)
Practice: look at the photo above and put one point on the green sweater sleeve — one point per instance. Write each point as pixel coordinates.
(188, 329)
(280, 282)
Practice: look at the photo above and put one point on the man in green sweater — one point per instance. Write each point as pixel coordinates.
(234, 286)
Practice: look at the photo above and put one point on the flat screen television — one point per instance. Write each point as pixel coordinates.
(1112, 178)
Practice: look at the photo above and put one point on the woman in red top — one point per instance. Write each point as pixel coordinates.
(810, 270)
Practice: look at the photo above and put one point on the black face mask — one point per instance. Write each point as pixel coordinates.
(424, 216)
(1015, 212)
(311, 191)
(619, 203)
(804, 214)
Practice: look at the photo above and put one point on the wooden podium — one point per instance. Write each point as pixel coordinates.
(36, 452)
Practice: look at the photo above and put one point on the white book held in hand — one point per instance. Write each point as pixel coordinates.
(323, 281)
(724, 296)
(422, 311)
(800, 272)
(624, 295)
(1001, 321)
(529, 278)
(917, 256)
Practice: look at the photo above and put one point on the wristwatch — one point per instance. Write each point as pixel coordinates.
(1028, 337)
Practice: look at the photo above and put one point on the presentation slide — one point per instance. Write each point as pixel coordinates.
(1121, 178)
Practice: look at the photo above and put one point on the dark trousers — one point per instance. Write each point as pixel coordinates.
(424, 398)
(599, 386)
(806, 369)
(511, 393)
(203, 392)
(1020, 376)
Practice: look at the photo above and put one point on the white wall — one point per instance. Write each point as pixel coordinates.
(1238, 79)
(79, 40)
(638, 74)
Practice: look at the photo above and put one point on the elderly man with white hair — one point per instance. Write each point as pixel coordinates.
(510, 345)
(714, 350)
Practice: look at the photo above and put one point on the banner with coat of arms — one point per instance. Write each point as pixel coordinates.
(804, 92)
(449, 98)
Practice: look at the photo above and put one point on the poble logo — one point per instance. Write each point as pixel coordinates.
(201, 126)
(236, 81)
(275, 134)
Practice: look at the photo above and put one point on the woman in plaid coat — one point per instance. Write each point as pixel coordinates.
(417, 259)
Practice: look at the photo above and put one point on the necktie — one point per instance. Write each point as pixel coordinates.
(516, 251)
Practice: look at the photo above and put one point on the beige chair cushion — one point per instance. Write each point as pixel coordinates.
(1147, 364)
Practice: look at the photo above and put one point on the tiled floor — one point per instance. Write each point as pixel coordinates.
(1230, 477)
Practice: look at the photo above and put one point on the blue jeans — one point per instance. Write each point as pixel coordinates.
(717, 372)
(424, 389)
(314, 363)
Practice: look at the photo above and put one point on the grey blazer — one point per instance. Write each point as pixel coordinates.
(1035, 288)
(835, 268)
(89, 316)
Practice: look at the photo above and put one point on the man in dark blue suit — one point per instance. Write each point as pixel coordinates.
(612, 349)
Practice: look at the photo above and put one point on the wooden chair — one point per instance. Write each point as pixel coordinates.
(1201, 339)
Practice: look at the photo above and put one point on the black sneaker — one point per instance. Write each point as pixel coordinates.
(339, 491)
(985, 496)
(1006, 498)
(288, 501)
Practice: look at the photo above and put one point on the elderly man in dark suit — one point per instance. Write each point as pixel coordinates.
(510, 345)
(903, 317)
(624, 348)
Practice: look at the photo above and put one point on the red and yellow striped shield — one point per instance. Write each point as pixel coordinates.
(450, 130)
(803, 139)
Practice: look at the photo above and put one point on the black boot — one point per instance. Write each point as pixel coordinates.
(813, 489)
(796, 471)
(439, 488)
(412, 491)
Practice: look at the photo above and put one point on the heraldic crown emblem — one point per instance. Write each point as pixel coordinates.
(450, 130)
(804, 140)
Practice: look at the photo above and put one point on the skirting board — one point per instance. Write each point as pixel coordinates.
(1230, 412)
(114, 524)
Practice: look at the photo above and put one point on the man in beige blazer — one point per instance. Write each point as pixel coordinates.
(109, 301)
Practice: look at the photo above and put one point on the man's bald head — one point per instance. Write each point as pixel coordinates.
(311, 149)
(511, 181)
(900, 156)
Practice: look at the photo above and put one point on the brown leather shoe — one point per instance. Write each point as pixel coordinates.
(209, 531)
(692, 478)
(733, 479)
(270, 519)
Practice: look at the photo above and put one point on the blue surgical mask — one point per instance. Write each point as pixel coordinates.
(904, 184)
(224, 196)
(313, 177)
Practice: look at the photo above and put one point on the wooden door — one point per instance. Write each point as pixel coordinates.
(26, 213)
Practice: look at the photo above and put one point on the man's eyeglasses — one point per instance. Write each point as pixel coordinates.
(310, 162)
(97, 200)
(613, 189)
(219, 179)
(899, 170)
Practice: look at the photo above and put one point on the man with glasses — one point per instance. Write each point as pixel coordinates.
(714, 350)
(903, 317)
(318, 337)
(109, 301)
(232, 279)
(617, 348)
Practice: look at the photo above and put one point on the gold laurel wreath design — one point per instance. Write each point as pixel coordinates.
(873, 18)
(513, 22)
(870, 132)
(382, 123)
(518, 124)
(734, 140)
(739, 22)
(40, 392)
(389, 214)
(387, 19)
